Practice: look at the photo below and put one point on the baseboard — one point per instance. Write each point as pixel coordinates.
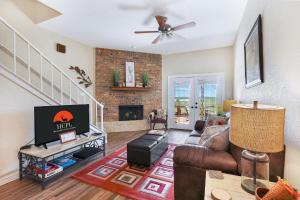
(11, 176)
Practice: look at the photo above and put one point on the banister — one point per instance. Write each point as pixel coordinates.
(46, 58)
(43, 60)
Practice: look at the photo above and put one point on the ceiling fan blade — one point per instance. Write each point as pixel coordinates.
(179, 37)
(183, 26)
(141, 32)
(161, 20)
(133, 7)
(158, 39)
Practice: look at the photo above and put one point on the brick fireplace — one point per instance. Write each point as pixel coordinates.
(106, 61)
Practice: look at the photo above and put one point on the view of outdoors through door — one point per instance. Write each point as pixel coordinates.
(207, 99)
(182, 102)
(193, 97)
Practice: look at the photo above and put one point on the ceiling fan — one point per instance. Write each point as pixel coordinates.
(166, 30)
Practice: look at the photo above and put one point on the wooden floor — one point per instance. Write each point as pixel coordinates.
(69, 188)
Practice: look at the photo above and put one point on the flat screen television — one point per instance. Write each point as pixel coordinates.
(51, 121)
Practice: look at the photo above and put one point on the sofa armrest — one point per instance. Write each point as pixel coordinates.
(201, 157)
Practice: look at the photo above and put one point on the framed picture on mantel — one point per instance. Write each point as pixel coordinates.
(130, 79)
(253, 51)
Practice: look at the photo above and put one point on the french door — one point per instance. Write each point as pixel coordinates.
(191, 97)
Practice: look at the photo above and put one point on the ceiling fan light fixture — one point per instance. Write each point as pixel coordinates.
(166, 30)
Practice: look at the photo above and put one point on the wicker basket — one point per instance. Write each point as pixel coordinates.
(280, 191)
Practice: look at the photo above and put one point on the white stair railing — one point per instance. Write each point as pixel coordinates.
(44, 75)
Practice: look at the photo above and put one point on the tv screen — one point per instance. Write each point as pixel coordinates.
(50, 121)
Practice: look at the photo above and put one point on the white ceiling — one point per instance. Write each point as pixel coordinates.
(107, 24)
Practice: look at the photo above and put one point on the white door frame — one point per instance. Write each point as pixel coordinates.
(220, 77)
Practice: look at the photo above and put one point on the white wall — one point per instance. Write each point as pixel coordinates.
(16, 110)
(218, 60)
(77, 53)
(281, 42)
(16, 125)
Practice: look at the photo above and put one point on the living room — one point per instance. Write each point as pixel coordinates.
(188, 78)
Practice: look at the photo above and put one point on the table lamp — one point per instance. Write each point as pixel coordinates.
(227, 105)
(259, 129)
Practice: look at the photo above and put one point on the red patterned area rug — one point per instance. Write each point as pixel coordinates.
(112, 173)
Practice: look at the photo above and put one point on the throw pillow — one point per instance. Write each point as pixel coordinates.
(213, 120)
(218, 141)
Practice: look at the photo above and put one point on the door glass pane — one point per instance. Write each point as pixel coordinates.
(207, 99)
(182, 102)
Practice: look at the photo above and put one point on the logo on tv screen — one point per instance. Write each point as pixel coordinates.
(63, 121)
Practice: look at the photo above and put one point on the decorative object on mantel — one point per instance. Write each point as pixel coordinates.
(116, 77)
(138, 84)
(253, 52)
(259, 129)
(281, 190)
(145, 78)
(130, 78)
(83, 77)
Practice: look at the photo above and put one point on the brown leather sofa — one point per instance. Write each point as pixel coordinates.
(192, 161)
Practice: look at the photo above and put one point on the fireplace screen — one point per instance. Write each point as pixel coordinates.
(131, 112)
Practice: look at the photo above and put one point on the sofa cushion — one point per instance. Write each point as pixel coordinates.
(219, 141)
(220, 160)
(202, 157)
(200, 126)
(210, 131)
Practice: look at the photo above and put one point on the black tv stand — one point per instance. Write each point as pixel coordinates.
(45, 146)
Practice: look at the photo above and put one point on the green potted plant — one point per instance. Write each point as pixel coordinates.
(116, 77)
(145, 79)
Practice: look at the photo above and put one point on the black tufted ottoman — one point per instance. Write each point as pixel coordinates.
(146, 150)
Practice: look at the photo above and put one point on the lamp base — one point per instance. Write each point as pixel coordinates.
(254, 171)
(249, 186)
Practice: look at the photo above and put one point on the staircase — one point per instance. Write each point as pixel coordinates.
(25, 65)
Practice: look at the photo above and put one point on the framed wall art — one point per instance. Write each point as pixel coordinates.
(253, 51)
(130, 78)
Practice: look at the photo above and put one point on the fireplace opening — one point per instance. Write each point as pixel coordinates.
(131, 112)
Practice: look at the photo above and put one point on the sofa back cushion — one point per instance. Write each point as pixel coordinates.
(215, 138)
(219, 141)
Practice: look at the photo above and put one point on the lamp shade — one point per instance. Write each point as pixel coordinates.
(258, 129)
(227, 105)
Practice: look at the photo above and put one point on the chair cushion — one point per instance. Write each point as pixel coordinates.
(142, 144)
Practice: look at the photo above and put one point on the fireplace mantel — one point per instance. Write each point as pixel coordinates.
(130, 88)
